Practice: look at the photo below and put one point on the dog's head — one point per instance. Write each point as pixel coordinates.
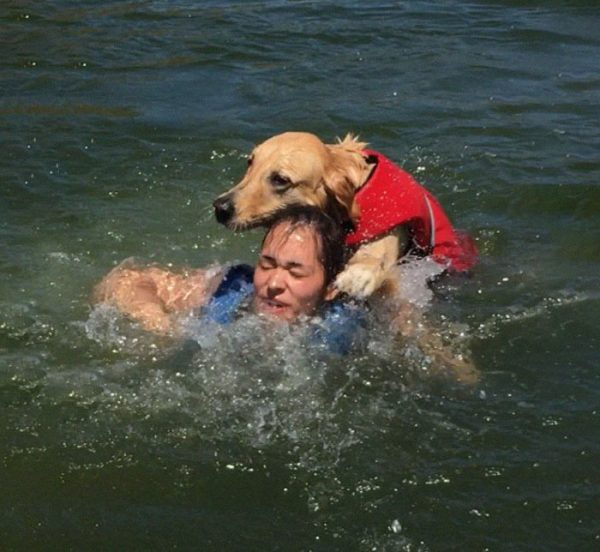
(295, 168)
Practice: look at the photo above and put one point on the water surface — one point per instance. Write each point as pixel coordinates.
(121, 121)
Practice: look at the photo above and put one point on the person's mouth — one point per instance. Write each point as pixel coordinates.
(272, 307)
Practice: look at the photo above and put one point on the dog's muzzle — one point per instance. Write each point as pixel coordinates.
(224, 209)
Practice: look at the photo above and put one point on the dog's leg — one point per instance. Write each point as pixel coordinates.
(367, 268)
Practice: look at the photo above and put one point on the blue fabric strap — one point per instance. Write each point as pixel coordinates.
(233, 290)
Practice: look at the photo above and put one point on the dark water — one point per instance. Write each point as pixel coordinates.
(120, 121)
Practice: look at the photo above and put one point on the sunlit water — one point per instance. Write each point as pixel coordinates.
(120, 123)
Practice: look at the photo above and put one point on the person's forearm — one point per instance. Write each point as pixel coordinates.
(153, 297)
(134, 293)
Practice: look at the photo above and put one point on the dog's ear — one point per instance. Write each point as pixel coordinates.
(345, 173)
(340, 213)
(340, 197)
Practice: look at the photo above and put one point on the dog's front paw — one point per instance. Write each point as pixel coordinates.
(358, 281)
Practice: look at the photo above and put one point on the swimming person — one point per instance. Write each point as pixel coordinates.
(293, 279)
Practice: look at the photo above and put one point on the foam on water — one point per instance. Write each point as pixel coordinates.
(255, 388)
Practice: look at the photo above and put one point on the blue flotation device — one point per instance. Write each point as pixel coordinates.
(338, 328)
(235, 288)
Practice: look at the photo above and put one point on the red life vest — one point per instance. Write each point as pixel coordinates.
(391, 197)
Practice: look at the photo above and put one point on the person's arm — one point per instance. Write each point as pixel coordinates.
(410, 323)
(153, 296)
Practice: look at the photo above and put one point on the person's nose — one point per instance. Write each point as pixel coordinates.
(275, 283)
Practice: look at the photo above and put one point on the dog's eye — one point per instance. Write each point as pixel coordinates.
(280, 182)
(250, 160)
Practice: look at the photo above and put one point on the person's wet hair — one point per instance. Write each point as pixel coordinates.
(330, 235)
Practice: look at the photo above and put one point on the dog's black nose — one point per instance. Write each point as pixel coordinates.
(223, 209)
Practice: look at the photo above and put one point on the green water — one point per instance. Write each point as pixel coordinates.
(119, 124)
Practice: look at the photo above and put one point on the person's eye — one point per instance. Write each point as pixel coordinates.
(265, 264)
(279, 181)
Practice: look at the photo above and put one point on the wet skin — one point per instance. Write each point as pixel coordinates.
(289, 278)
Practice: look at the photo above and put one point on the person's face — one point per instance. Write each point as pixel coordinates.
(289, 279)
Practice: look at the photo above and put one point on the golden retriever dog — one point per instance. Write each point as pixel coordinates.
(390, 212)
